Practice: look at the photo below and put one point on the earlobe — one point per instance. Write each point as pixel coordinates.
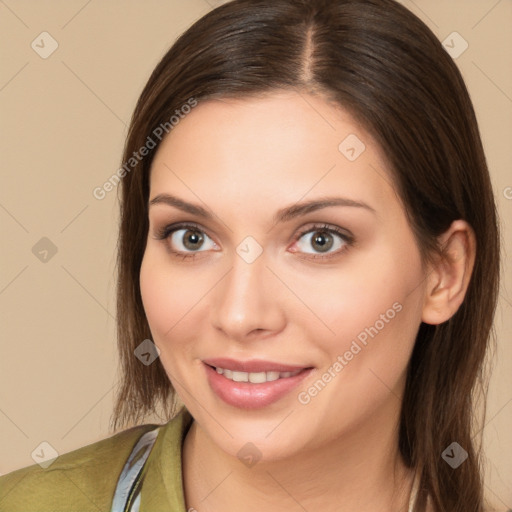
(449, 276)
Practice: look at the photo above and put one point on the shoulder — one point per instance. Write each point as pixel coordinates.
(83, 479)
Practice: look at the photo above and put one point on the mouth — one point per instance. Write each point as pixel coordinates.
(254, 377)
(252, 384)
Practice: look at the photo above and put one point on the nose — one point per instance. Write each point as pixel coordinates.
(246, 303)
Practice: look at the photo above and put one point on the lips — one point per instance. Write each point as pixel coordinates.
(252, 366)
(252, 384)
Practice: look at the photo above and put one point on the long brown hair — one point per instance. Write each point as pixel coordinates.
(384, 65)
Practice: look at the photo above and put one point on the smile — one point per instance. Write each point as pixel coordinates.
(253, 385)
(255, 377)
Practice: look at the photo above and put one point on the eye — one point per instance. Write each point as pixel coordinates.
(186, 239)
(323, 239)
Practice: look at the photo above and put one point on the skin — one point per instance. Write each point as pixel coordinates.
(243, 160)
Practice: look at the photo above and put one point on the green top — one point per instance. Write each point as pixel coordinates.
(85, 479)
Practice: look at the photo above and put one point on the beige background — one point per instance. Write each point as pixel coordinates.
(63, 123)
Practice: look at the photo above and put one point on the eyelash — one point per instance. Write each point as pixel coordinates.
(166, 231)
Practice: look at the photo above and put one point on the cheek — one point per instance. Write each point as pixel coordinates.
(166, 295)
(154, 297)
(372, 307)
(175, 303)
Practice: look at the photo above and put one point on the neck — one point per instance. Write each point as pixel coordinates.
(362, 470)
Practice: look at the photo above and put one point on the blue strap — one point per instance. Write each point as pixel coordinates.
(127, 493)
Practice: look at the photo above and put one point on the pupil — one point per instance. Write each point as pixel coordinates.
(320, 239)
(192, 238)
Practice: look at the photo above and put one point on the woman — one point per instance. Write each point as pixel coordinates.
(309, 262)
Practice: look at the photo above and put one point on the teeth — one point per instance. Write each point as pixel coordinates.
(272, 376)
(240, 377)
(258, 378)
(254, 377)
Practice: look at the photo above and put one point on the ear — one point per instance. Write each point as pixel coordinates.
(449, 276)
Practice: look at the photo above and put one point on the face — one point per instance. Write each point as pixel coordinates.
(242, 282)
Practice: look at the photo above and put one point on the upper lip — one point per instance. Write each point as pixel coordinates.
(252, 366)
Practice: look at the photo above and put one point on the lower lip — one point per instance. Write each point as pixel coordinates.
(245, 395)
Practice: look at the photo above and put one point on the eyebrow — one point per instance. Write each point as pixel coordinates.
(282, 215)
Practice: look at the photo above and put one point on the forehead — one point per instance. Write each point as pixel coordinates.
(283, 147)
